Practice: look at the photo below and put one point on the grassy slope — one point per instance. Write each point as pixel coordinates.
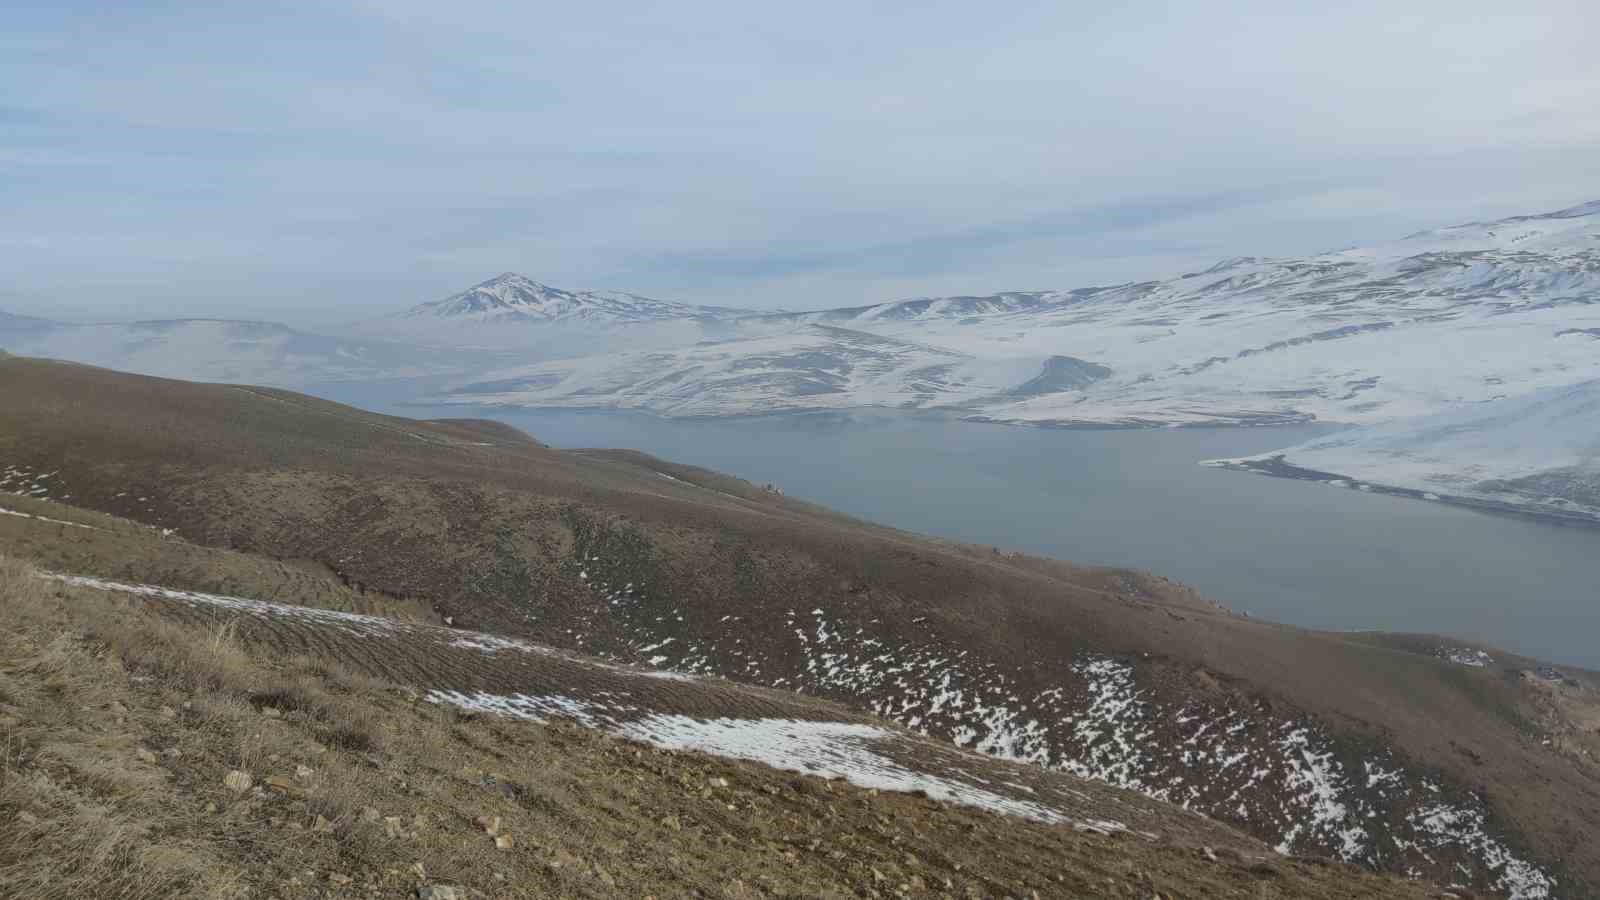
(486, 524)
(122, 728)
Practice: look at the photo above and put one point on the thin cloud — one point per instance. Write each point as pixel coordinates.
(351, 158)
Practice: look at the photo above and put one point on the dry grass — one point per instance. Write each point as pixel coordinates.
(119, 728)
(121, 549)
(82, 824)
(79, 774)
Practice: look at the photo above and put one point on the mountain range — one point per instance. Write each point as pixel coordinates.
(1382, 333)
(1369, 334)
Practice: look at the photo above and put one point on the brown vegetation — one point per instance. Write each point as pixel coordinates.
(492, 529)
(150, 759)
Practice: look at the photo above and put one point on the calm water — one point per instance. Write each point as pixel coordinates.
(1285, 550)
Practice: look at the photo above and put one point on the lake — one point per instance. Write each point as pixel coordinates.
(1290, 551)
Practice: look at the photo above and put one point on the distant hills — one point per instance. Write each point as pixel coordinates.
(227, 350)
(1368, 334)
(1372, 334)
(17, 325)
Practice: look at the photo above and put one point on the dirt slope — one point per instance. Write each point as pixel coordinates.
(1384, 753)
(247, 753)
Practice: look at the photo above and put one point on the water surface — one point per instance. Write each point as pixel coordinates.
(1291, 551)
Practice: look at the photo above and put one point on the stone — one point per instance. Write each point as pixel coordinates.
(489, 824)
(303, 773)
(168, 713)
(441, 892)
(339, 878)
(392, 827)
(282, 783)
(504, 841)
(145, 755)
(719, 782)
(238, 781)
(321, 825)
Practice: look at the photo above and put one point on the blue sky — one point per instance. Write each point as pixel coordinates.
(323, 162)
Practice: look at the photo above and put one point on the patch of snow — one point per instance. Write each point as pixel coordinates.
(23, 515)
(830, 749)
(1442, 825)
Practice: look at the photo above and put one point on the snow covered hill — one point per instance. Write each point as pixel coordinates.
(511, 296)
(811, 367)
(1537, 453)
(1397, 329)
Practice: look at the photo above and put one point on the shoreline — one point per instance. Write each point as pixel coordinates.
(1276, 467)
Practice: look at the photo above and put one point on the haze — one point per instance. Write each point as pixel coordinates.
(327, 163)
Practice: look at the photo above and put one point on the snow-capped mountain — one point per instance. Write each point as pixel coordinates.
(1392, 330)
(512, 311)
(1535, 453)
(511, 297)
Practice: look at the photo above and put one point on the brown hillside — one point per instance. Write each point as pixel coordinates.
(1377, 751)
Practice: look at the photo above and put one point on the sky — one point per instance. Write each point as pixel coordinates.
(321, 163)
